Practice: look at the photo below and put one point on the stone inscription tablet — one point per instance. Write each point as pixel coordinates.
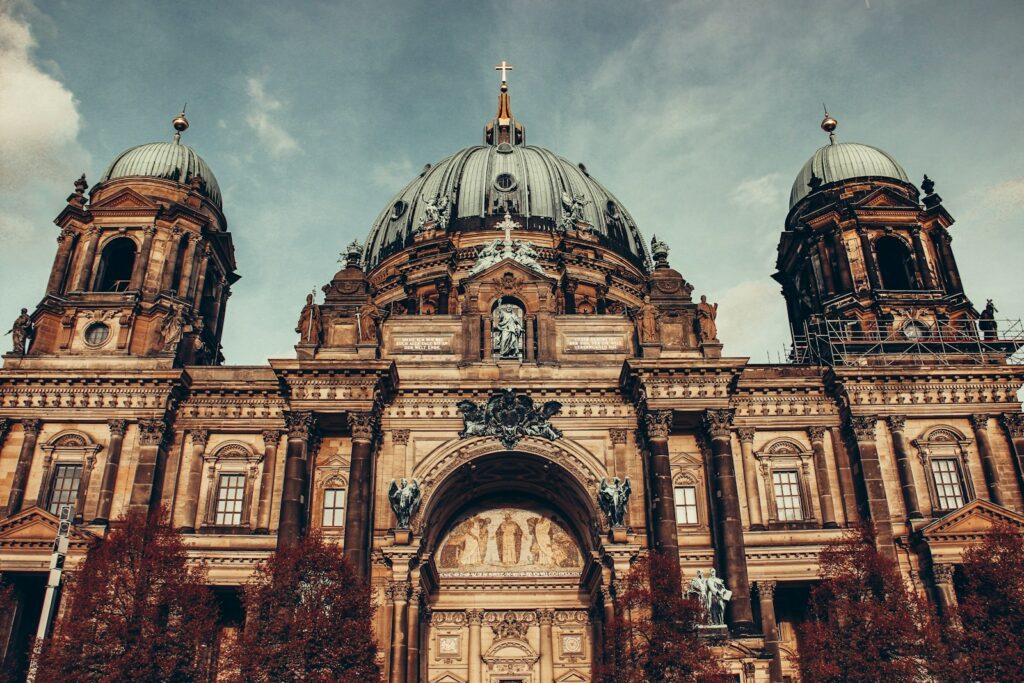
(423, 343)
(595, 344)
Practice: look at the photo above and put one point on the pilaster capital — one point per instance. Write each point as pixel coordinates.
(199, 437)
(271, 437)
(5, 426)
(766, 589)
(151, 432)
(718, 423)
(1014, 424)
(746, 434)
(117, 427)
(896, 423)
(658, 423)
(915, 230)
(943, 573)
(546, 616)
(398, 591)
(363, 425)
(980, 421)
(149, 231)
(618, 436)
(863, 427)
(300, 424)
(475, 616)
(65, 233)
(194, 238)
(816, 433)
(400, 437)
(31, 426)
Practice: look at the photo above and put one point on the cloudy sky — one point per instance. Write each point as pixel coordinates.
(697, 115)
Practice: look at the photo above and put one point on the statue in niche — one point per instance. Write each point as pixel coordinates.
(21, 332)
(405, 500)
(647, 321)
(612, 498)
(507, 330)
(367, 319)
(706, 315)
(987, 321)
(586, 305)
(310, 325)
(710, 590)
(172, 328)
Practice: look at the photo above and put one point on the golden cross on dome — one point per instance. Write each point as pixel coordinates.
(504, 67)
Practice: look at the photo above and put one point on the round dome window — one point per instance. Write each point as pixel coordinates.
(505, 182)
(397, 210)
(504, 148)
(612, 209)
(97, 334)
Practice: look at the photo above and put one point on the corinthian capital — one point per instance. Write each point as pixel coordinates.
(863, 427)
(300, 425)
(363, 425)
(658, 423)
(816, 433)
(32, 427)
(117, 427)
(271, 437)
(151, 432)
(1014, 424)
(718, 423)
(896, 422)
(980, 422)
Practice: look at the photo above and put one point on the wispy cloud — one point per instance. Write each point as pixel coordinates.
(760, 193)
(392, 175)
(261, 118)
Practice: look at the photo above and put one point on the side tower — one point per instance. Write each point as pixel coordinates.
(143, 267)
(867, 267)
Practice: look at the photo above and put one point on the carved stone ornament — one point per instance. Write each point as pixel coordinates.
(943, 573)
(271, 437)
(510, 627)
(1014, 424)
(718, 423)
(897, 423)
(300, 425)
(618, 436)
(117, 427)
(612, 498)
(5, 426)
(863, 427)
(509, 417)
(363, 425)
(658, 423)
(31, 427)
(979, 422)
(746, 434)
(404, 496)
(151, 432)
(400, 437)
(199, 437)
(766, 589)
(816, 433)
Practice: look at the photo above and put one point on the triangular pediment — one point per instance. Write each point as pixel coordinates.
(35, 527)
(885, 197)
(573, 677)
(127, 198)
(496, 271)
(448, 677)
(975, 519)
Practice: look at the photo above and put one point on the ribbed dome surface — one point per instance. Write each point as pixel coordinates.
(532, 178)
(843, 161)
(168, 160)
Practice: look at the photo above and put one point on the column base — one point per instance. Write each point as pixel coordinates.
(758, 527)
(187, 529)
(830, 525)
(915, 515)
(261, 531)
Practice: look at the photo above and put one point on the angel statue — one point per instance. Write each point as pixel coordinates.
(435, 212)
(405, 500)
(612, 498)
(572, 213)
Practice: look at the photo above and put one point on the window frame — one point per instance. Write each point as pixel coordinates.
(74, 492)
(340, 495)
(942, 442)
(788, 455)
(69, 447)
(230, 458)
(683, 486)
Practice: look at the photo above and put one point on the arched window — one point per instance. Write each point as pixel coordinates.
(116, 265)
(895, 264)
(943, 454)
(785, 468)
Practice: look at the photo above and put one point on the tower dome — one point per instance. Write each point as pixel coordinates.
(838, 161)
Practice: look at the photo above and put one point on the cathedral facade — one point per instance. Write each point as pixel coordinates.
(505, 397)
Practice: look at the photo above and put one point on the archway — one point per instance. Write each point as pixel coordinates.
(116, 265)
(895, 264)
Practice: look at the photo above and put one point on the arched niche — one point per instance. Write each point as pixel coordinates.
(117, 261)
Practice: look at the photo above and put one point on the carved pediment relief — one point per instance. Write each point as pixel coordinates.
(36, 528)
(973, 520)
(573, 677)
(125, 199)
(885, 197)
(496, 273)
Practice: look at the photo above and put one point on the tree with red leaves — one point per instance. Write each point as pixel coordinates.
(136, 611)
(653, 637)
(986, 644)
(865, 624)
(308, 618)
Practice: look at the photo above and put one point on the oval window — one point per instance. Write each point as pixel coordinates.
(505, 182)
(504, 148)
(397, 210)
(97, 334)
(612, 210)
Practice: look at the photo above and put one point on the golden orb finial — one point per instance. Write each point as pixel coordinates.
(828, 124)
(180, 123)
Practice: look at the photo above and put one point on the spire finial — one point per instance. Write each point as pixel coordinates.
(180, 124)
(504, 128)
(828, 124)
(504, 68)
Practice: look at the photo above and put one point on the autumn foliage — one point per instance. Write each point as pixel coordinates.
(653, 637)
(135, 612)
(865, 624)
(990, 587)
(308, 618)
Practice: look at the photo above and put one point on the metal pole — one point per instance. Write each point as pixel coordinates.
(60, 551)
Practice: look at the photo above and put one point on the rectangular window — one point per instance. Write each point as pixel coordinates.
(787, 495)
(230, 496)
(948, 489)
(686, 504)
(64, 489)
(334, 507)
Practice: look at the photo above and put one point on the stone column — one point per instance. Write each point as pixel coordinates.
(189, 266)
(528, 321)
(839, 246)
(828, 508)
(766, 598)
(60, 262)
(1013, 423)
(83, 486)
(190, 501)
(658, 424)
(199, 275)
(413, 640)
(746, 435)
(927, 277)
(488, 340)
(863, 429)
(952, 272)
(718, 427)
(907, 483)
(109, 480)
(475, 617)
(870, 264)
(443, 291)
(398, 632)
(271, 438)
(30, 429)
(293, 493)
(988, 458)
(84, 275)
(845, 476)
(547, 662)
(151, 439)
(357, 510)
(826, 264)
(942, 577)
(138, 277)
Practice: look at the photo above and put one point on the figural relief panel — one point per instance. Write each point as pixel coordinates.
(509, 541)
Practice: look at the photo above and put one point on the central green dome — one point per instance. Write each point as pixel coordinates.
(845, 161)
(168, 160)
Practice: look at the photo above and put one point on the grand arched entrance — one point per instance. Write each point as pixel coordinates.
(509, 565)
